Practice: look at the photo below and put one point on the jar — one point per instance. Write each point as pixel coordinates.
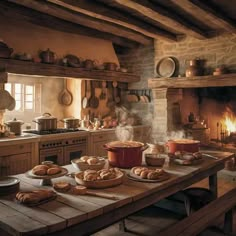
(194, 69)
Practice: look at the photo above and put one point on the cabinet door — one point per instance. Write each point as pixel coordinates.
(15, 164)
(98, 149)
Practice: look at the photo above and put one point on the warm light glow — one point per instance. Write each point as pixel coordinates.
(230, 121)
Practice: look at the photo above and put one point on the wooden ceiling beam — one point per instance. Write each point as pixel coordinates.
(159, 14)
(206, 12)
(86, 21)
(106, 13)
(20, 13)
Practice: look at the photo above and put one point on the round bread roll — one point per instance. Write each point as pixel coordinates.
(91, 177)
(62, 186)
(40, 170)
(84, 158)
(79, 190)
(92, 161)
(153, 175)
(53, 171)
(144, 174)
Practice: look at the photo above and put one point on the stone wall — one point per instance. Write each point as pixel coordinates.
(215, 52)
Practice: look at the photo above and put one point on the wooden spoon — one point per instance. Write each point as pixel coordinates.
(82, 190)
(85, 99)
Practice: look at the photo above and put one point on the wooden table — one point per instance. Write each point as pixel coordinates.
(83, 215)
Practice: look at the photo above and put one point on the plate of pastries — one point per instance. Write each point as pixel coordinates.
(35, 197)
(46, 171)
(146, 174)
(103, 178)
(186, 158)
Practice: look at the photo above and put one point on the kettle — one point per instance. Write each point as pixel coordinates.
(48, 56)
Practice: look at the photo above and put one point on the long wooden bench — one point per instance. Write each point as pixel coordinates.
(205, 217)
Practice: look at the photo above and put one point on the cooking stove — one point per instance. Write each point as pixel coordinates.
(56, 131)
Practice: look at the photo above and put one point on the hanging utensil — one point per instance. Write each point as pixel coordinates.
(65, 97)
(94, 101)
(85, 99)
(116, 97)
(103, 93)
(110, 100)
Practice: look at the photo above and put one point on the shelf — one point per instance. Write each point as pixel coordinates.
(52, 70)
(193, 82)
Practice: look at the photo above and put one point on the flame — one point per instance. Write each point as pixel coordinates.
(230, 121)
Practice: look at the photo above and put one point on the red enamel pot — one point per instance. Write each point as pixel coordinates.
(186, 145)
(125, 154)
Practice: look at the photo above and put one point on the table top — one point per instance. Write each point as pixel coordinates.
(90, 213)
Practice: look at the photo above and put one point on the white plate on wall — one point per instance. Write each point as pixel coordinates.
(166, 67)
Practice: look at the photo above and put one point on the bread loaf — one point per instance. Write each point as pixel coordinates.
(35, 196)
(53, 171)
(146, 173)
(62, 186)
(40, 170)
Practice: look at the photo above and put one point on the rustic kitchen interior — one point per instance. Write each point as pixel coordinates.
(77, 77)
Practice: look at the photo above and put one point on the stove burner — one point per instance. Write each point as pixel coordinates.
(56, 131)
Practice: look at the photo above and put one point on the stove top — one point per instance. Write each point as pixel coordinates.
(56, 131)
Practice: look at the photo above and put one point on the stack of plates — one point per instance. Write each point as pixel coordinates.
(9, 185)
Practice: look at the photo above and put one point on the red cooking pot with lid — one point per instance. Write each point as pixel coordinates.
(187, 145)
(125, 154)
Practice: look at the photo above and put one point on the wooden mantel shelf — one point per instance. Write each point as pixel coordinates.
(52, 70)
(193, 82)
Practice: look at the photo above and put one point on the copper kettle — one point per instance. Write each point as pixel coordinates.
(48, 56)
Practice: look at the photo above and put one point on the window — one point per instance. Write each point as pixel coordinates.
(27, 96)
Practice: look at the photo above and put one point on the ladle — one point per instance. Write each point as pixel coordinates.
(66, 97)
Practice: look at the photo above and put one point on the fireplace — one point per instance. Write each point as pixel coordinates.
(205, 105)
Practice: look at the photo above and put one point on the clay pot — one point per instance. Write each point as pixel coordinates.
(5, 51)
(48, 56)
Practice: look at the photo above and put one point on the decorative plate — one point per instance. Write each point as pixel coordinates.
(63, 172)
(166, 67)
(135, 177)
(8, 181)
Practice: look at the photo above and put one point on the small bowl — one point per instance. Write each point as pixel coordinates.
(78, 164)
(154, 160)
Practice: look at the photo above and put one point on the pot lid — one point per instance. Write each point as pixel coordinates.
(125, 144)
(45, 116)
(14, 121)
(70, 118)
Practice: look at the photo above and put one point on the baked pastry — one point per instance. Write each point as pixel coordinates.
(62, 186)
(53, 170)
(146, 173)
(79, 190)
(92, 161)
(40, 170)
(35, 196)
(84, 158)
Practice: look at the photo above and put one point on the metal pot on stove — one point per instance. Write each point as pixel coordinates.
(45, 122)
(71, 123)
(14, 126)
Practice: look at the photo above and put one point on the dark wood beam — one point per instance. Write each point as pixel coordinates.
(19, 13)
(84, 20)
(102, 12)
(161, 15)
(207, 12)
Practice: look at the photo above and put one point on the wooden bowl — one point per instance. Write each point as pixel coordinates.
(78, 164)
(154, 160)
(99, 183)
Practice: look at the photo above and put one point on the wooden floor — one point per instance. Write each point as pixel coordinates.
(148, 221)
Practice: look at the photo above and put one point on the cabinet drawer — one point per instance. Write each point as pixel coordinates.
(106, 137)
(15, 149)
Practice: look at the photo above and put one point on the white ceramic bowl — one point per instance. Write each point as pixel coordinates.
(80, 165)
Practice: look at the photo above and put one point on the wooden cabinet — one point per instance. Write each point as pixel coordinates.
(16, 159)
(98, 139)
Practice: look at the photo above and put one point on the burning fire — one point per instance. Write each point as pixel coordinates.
(230, 121)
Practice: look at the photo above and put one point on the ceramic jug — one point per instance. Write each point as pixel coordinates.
(194, 69)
